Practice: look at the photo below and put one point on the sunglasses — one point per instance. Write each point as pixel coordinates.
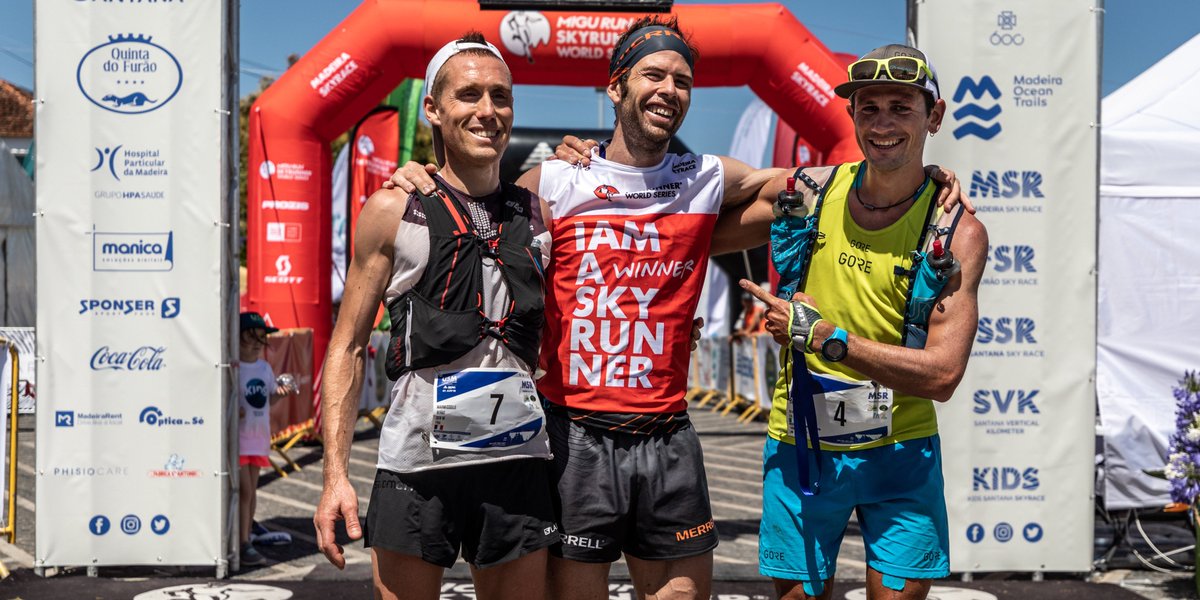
(898, 68)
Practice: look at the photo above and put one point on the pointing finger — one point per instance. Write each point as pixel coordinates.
(756, 291)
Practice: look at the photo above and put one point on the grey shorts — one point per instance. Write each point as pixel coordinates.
(495, 512)
(645, 495)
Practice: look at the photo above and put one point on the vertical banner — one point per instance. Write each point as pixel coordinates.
(374, 147)
(1020, 79)
(407, 98)
(134, 281)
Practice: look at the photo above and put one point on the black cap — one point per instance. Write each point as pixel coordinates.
(253, 320)
(924, 83)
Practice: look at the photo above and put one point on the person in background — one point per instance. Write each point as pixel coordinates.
(259, 391)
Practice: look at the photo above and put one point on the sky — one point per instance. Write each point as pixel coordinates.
(1137, 33)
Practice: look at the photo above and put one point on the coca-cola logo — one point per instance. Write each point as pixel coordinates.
(146, 358)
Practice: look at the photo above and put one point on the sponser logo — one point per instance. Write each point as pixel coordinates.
(146, 74)
(89, 471)
(695, 532)
(522, 31)
(1007, 184)
(1004, 478)
(1005, 330)
(1005, 401)
(151, 415)
(146, 358)
(133, 251)
(173, 469)
(1015, 259)
(684, 166)
(605, 192)
(168, 308)
(984, 126)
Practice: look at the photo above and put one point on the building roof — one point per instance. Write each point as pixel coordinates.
(16, 111)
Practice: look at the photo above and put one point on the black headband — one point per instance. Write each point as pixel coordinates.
(642, 43)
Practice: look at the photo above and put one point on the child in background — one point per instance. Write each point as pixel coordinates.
(257, 382)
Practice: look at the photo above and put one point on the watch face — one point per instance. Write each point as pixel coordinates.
(833, 350)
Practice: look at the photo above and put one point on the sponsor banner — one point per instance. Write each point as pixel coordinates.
(1020, 82)
(375, 146)
(133, 171)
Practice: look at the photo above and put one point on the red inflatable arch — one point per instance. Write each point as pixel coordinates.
(384, 41)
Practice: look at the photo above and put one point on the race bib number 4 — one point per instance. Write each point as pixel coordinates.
(477, 410)
(851, 412)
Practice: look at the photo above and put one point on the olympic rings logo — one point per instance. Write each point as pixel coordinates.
(1006, 39)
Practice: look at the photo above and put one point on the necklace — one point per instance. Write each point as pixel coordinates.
(875, 207)
(858, 178)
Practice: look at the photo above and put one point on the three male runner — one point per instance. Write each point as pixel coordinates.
(462, 454)
(873, 378)
(631, 235)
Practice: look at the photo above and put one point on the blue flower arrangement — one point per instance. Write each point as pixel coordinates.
(1183, 466)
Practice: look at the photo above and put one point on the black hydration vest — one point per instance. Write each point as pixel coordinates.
(441, 318)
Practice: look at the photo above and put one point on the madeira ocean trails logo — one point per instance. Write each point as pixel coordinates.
(129, 74)
(977, 118)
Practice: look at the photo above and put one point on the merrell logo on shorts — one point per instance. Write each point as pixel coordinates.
(582, 542)
(392, 485)
(695, 532)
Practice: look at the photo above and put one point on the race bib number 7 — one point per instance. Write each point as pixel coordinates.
(477, 410)
(851, 412)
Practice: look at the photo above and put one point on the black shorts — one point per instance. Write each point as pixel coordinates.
(645, 495)
(496, 512)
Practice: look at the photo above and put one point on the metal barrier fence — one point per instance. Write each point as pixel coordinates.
(734, 374)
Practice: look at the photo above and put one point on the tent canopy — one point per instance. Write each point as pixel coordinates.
(1149, 280)
(1150, 140)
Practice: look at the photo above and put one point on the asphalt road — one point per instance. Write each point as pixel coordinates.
(733, 460)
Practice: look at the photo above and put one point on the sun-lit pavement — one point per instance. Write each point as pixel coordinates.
(732, 456)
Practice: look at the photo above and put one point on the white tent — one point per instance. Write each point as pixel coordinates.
(1149, 281)
(17, 284)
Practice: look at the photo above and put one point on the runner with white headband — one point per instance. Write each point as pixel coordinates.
(462, 454)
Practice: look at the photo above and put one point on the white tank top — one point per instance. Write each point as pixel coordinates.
(630, 250)
(404, 442)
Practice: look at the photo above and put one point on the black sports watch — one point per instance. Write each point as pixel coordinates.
(834, 349)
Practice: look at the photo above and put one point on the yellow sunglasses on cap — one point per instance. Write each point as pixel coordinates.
(904, 69)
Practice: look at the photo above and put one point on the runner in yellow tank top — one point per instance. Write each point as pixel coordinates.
(872, 395)
(853, 273)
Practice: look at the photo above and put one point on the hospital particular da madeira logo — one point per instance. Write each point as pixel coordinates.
(129, 74)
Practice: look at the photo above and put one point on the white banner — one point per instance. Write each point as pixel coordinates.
(1020, 78)
(132, 242)
(22, 339)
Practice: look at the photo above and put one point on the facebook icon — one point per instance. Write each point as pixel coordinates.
(99, 525)
(64, 418)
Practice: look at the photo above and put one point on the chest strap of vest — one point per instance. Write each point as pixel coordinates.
(793, 239)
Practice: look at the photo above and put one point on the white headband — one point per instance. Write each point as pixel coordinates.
(450, 49)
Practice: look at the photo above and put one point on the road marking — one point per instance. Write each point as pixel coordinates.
(284, 572)
(22, 557)
(353, 554)
(730, 559)
(362, 500)
(757, 472)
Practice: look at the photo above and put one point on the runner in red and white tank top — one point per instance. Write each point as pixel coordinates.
(630, 248)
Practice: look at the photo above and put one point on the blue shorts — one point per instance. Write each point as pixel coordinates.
(897, 492)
